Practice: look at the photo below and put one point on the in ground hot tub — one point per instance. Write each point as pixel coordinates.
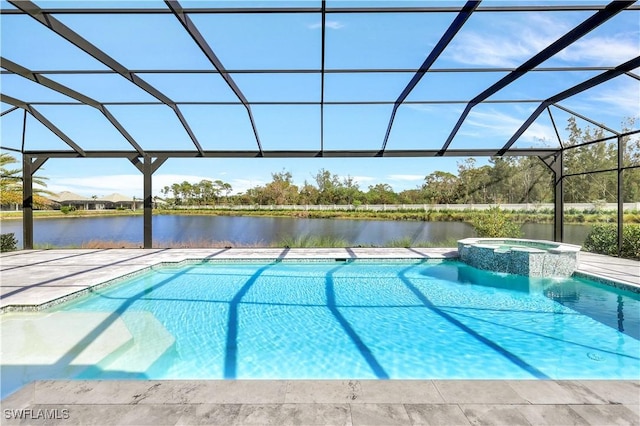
(532, 258)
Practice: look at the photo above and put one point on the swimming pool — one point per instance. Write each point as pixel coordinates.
(339, 319)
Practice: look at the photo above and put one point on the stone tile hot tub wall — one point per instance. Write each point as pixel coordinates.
(518, 256)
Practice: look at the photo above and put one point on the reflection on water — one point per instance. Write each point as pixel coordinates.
(616, 308)
(257, 231)
(611, 306)
(563, 293)
(490, 279)
(464, 274)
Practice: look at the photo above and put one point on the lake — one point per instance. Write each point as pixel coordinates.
(256, 231)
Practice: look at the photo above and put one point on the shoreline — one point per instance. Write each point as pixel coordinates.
(522, 217)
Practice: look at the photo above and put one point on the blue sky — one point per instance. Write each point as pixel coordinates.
(292, 41)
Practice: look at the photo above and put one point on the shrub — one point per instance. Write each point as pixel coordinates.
(402, 242)
(305, 241)
(67, 209)
(603, 239)
(495, 223)
(8, 242)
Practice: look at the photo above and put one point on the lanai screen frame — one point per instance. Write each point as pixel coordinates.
(148, 161)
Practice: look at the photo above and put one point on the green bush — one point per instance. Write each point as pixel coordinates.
(603, 239)
(67, 209)
(495, 223)
(8, 242)
(402, 242)
(306, 241)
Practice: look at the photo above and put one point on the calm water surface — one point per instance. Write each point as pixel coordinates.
(335, 320)
(258, 231)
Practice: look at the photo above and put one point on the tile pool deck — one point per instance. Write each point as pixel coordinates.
(36, 277)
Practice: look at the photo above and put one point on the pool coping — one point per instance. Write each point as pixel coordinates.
(252, 255)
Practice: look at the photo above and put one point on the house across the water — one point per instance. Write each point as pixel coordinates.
(79, 202)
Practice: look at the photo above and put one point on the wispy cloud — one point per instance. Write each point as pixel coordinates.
(409, 178)
(497, 52)
(361, 180)
(517, 40)
(241, 185)
(624, 98)
(619, 98)
(507, 45)
(603, 50)
(126, 184)
(497, 124)
(334, 25)
(421, 107)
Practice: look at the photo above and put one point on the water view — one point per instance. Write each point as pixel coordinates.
(257, 231)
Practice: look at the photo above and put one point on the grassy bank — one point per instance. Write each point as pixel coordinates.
(587, 216)
(303, 241)
(518, 216)
(56, 214)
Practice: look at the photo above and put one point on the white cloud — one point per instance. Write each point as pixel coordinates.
(625, 98)
(241, 185)
(421, 107)
(512, 43)
(619, 98)
(606, 51)
(515, 41)
(495, 52)
(360, 180)
(334, 25)
(406, 177)
(500, 125)
(126, 184)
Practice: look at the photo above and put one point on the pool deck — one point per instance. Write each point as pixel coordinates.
(36, 277)
(349, 402)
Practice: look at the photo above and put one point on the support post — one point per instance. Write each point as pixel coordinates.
(27, 203)
(147, 171)
(620, 193)
(558, 198)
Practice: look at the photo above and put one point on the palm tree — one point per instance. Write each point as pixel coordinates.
(11, 185)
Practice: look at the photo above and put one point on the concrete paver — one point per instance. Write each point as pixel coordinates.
(607, 414)
(551, 415)
(263, 402)
(38, 276)
(554, 392)
(478, 392)
(436, 414)
(494, 414)
(379, 414)
(607, 267)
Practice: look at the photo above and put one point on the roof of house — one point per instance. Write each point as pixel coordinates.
(66, 196)
(117, 198)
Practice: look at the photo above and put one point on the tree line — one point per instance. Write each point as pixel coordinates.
(505, 180)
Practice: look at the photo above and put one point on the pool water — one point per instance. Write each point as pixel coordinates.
(360, 319)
